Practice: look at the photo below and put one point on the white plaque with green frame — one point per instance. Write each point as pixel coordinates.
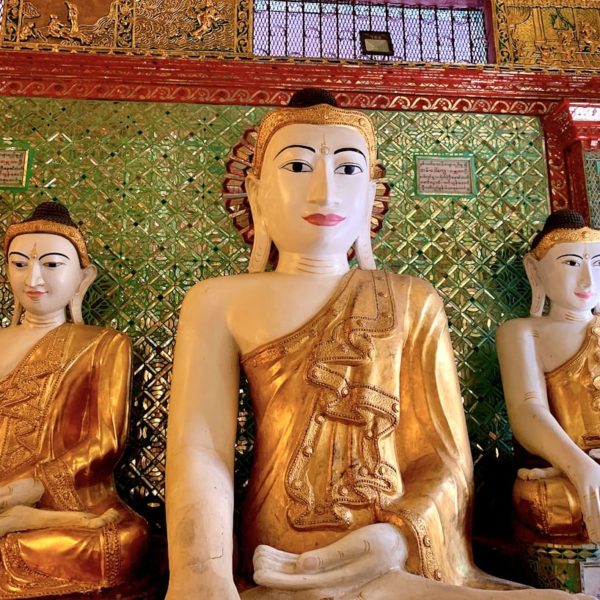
(445, 175)
(15, 165)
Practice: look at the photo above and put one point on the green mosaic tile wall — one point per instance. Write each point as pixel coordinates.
(144, 182)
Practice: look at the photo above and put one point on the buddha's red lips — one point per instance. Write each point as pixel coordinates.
(324, 220)
(585, 295)
(35, 295)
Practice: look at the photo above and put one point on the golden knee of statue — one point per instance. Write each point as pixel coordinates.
(64, 392)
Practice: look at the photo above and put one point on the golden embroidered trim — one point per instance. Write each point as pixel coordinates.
(111, 554)
(20, 406)
(58, 482)
(564, 236)
(321, 114)
(429, 564)
(71, 233)
(370, 413)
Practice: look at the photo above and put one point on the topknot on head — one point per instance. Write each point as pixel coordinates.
(311, 97)
(51, 211)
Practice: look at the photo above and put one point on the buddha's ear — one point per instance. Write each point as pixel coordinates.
(538, 294)
(363, 247)
(17, 313)
(88, 276)
(261, 243)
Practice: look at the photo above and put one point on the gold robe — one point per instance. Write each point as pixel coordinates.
(63, 419)
(359, 420)
(551, 505)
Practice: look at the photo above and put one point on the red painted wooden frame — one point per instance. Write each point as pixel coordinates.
(367, 85)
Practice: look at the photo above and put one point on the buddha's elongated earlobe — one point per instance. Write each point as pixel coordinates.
(364, 250)
(538, 295)
(261, 245)
(89, 275)
(17, 313)
(362, 246)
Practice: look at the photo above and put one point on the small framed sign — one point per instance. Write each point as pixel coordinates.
(376, 43)
(445, 175)
(15, 165)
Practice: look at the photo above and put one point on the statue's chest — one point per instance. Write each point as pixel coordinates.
(25, 398)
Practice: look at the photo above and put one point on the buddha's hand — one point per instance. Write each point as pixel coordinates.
(26, 492)
(337, 570)
(23, 518)
(586, 479)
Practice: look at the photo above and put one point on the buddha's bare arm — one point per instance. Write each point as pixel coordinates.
(533, 424)
(201, 437)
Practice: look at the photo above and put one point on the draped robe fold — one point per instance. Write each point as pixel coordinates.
(63, 420)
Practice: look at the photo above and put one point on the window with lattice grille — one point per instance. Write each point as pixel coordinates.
(298, 28)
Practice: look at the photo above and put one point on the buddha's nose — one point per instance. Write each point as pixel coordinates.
(34, 274)
(585, 275)
(321, 191)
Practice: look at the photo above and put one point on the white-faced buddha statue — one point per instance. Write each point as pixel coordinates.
(64, 393)
(362, 481)
(550, 367)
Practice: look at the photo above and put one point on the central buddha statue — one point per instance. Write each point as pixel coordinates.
(362, 477)
(64, 392)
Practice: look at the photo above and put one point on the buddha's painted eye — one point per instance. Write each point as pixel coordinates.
(19, 264)
(571, 262)
(297, 166)
(348, 169)
(52, 264)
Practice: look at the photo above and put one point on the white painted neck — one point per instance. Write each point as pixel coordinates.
(45, 321)
(294, 263)
(558, 313)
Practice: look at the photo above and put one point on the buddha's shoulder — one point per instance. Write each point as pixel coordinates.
(519, 327)
(95, 333)
(408, 284)
(220, 291)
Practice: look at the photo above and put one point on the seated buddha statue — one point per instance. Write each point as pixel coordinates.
(550, 366)
(64, 391)
(361, 484)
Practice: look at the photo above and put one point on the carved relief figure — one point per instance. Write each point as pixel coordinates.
(362, 475)
(64, 389)
(551, 376)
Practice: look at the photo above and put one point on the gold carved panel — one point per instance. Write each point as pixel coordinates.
(558, 33)
(164, 26)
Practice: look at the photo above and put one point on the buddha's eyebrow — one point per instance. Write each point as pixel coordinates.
(575, 255)
(295, 146)
(350, 150)
(596, 256)
(54, 254)
(19, 253)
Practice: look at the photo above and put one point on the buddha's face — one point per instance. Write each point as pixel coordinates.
(44, 272)
(570, 275)
(314, 193)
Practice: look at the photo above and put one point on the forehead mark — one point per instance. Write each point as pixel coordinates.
(34, 251)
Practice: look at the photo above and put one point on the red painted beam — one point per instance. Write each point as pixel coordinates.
(270, 82)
